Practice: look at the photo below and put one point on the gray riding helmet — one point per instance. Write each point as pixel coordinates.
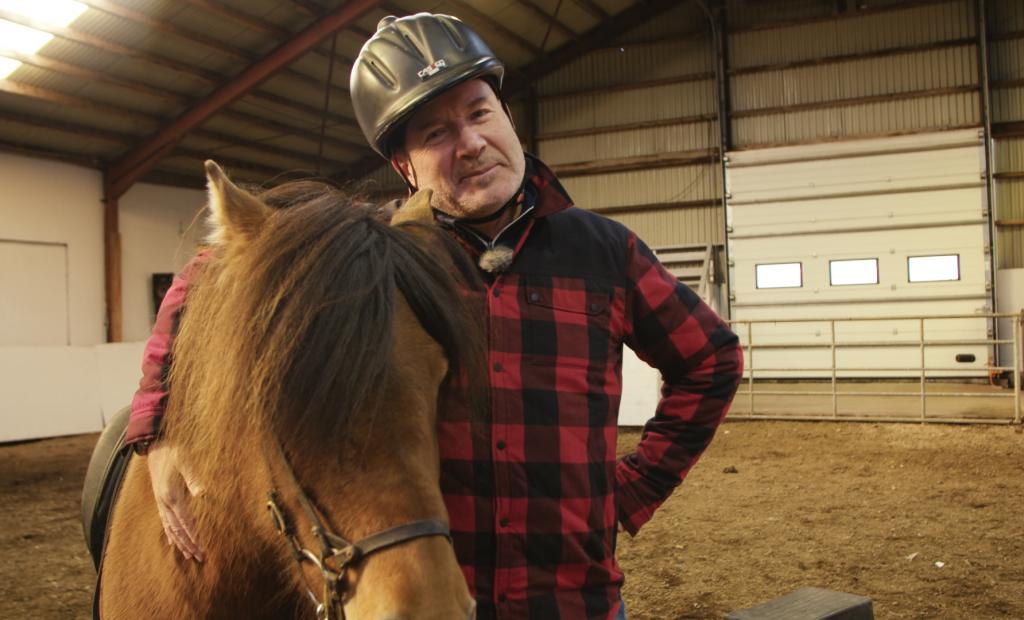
(409, 61)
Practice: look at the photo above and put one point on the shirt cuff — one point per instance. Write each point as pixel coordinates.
(633, 510)
(142, 426)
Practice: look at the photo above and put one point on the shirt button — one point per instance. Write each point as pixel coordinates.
(498, 367)
(502, 598)
(534, 296)
(503, 522)
(497, 292)
(594, 307)
(501, 445)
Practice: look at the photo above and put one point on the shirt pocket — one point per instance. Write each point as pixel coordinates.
(566, 322)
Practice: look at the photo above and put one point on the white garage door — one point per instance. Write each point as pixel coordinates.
(891, 227)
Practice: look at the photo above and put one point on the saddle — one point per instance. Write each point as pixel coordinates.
(103, 478)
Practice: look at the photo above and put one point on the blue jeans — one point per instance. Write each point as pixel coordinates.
(622, 611)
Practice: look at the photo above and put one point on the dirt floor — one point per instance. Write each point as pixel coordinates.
(925, 520)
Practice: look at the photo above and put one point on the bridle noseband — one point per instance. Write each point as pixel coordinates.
(337, 554)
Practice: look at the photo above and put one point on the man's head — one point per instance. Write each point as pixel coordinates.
(424, 89)
(462, 146)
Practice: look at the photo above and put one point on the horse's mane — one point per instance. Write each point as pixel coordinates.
(295, 330)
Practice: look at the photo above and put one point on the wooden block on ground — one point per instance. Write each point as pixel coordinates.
(810, 604)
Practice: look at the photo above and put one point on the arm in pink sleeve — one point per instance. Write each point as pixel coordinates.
(149, 401)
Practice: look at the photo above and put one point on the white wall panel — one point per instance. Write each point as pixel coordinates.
(55, 391)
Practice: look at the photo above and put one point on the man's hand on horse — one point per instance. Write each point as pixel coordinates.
(174, 486)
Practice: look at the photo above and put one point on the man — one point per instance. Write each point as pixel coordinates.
(534, 491)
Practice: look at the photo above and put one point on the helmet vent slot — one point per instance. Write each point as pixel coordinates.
(457, 40)
(413, 47)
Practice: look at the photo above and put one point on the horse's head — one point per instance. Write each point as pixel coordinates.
(321, 327)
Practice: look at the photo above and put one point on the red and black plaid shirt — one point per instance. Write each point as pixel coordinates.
(534, 493)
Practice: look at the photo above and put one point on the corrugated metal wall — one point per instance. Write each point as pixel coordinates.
(855, 75)
(1006, 71)
(604, 117)
(799, 72)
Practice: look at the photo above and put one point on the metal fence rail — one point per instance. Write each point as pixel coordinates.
(921, 371)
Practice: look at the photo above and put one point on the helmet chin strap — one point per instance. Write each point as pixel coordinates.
(409, 185)
(511, 202)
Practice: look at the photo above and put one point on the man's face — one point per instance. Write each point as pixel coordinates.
(462, 146)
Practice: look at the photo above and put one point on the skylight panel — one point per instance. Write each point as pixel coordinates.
(7, 66)
(27, 40)
(52, 12)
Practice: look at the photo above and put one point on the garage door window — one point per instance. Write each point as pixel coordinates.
(933, 268)
(859, 271)
(780, 275)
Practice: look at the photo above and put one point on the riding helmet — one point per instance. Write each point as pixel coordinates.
(409, 61)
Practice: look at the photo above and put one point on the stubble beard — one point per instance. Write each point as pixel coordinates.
(446, 201)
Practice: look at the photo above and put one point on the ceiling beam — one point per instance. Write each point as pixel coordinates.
(112, 47)
(600, 35)
(314, 9)
(39, 152)
(593, 8)
(469, 10)
(88, 74)
(226, 140)
(552, 21)
(309, 8)
(254, 23)
(201, 75)
(125, 13)
(133, 165)
(127, 139)
(84, 73)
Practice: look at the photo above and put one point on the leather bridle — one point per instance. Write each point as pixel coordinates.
(336, 554)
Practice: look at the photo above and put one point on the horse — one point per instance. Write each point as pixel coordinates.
(305, 379)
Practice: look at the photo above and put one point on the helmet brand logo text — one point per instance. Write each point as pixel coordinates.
(432, 69)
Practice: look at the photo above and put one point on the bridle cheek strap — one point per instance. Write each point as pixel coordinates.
(337, 554)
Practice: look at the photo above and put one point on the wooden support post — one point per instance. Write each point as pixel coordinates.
(112, 263)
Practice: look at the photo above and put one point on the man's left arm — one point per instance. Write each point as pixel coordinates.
(701, 364)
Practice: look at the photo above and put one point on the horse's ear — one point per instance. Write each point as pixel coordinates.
(235, 214)
(416, 209)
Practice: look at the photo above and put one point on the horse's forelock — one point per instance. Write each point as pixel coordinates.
(300, 336)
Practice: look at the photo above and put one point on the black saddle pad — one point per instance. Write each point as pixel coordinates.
(102, 480)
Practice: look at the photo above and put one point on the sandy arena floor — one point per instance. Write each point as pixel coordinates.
(925, 520)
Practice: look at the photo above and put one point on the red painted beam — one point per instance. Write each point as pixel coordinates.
(129, 168)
